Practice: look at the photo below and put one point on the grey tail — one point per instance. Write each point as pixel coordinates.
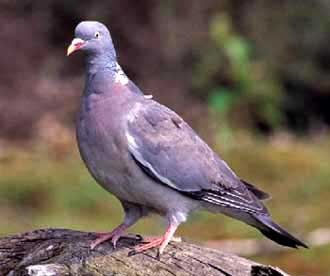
(276, 233)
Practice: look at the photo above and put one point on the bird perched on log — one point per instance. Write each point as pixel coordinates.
(149, 157)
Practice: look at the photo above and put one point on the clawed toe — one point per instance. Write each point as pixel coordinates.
(102, 237)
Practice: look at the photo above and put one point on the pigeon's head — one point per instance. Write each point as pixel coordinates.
(93, 38)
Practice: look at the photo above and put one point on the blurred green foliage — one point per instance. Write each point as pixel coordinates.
(262, 65)
(236, 81)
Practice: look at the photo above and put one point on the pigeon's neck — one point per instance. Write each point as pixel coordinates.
(102, 73)
(96, 63)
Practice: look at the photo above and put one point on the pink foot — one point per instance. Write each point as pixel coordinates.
(156, 241)
(102, 237)
(151, 238)
(114, 236)
(151, 243)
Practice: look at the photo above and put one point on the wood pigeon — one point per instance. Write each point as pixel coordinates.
(149, 157)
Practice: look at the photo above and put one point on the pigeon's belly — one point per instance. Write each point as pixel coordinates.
(101, 154)
(111, 165)
(131, 184)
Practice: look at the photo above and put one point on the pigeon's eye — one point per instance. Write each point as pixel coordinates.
(97, 35)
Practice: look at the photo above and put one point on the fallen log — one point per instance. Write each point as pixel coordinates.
(53, 252)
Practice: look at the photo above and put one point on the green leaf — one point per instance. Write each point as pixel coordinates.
(221, 100)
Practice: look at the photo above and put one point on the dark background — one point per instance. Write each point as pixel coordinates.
(252, 77)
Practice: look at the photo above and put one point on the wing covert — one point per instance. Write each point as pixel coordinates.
(169, 151)
(162, 142)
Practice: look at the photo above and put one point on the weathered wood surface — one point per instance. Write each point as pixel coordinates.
(52, 252)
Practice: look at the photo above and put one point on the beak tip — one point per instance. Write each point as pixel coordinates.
(75, 45)
(70, 50)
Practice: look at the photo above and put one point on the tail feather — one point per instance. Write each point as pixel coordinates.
(276, 233)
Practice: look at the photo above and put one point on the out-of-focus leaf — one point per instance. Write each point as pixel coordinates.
(238, 50)
(221, 100)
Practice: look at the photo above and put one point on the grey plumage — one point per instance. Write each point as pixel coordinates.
(172, 153)
(149, 157)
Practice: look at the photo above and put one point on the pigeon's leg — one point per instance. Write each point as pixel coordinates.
(132, 214)
(162, 241)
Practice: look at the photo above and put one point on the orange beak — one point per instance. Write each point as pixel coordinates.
(75, 45)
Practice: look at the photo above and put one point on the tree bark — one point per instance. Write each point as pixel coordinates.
(53, 252)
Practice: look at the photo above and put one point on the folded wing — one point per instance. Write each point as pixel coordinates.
(171, 153)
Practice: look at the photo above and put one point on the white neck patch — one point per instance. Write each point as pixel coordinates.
(120, 76)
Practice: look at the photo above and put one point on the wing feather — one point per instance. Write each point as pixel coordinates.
(170, 152)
